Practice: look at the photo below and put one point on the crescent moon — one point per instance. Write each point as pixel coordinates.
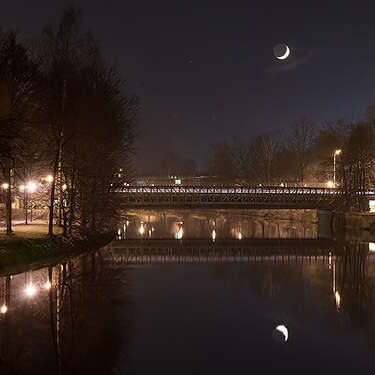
(284, 331)
(286, 54)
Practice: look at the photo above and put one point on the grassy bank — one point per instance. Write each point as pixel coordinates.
(32, 245)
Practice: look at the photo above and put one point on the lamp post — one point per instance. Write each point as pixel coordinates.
(29, 188)
(336, 153)
(23, 189)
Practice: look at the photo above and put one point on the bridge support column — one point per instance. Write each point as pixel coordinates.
(324, 223)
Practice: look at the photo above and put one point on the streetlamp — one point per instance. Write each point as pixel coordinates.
(336, 153)
(29, 188)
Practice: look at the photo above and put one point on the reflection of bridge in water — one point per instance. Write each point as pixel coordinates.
(224, 251)
(54, 307)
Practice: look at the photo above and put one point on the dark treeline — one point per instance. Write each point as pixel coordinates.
(303, 156)
(64, 114)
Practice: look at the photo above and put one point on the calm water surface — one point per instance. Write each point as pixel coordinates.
(169, 297)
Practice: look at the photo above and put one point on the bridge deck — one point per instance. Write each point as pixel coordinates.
(232, 197)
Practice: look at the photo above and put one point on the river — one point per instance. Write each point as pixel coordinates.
(210, 292)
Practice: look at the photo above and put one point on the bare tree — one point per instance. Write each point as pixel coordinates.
(302, 136)
(358, 162)
(19, 106)
(241, 154)
(221, 164)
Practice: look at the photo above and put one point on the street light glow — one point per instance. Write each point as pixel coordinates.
(179, 234)
(5, 186)
(330, 184)
(337, 152)
(30, 290)
(48, 285)
(4, 309)
(49, 178)
(31, 187)
(338, 299)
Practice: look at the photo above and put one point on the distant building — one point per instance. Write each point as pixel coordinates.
(165, 180)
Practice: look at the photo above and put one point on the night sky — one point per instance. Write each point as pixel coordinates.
(206, 72)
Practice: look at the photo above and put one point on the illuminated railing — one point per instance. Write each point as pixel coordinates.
(240, 196)
(231, 190)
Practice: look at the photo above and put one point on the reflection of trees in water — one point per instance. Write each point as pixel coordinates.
(280, 229)
(341, 287)
(74, 327)
(228, 224)
(355, 281)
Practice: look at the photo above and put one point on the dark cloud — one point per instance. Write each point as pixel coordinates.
(292, 64)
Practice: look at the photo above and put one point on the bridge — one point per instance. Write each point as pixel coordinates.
(234, 197)
(224, 251)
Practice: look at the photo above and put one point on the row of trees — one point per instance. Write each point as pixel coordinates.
(63, 113)
(303, 156)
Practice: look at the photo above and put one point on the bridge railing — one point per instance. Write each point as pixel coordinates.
(230, 190)
(235, 196)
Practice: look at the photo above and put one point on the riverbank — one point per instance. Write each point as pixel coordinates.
(354, 221)
(30, 246)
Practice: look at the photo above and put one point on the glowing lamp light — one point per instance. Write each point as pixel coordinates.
(5, 186)
(30, 290)
(240, 236)
(31, 187)
(141, 228)
(213, 235)
(49, 178)
(282, 329)
(179, 234)
(48, 285)
(371, 246)
(337, 152)
(64, 187)
(22, 188)
(4, 309)
(330, 184)
(338, 299)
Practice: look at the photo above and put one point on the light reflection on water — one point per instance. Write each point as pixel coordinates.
(211, 223)
(151, 305)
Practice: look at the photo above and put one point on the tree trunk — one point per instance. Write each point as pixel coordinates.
(72, 195)
(53, 185)
(8, 201)
(64, 224)
(93, 212)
